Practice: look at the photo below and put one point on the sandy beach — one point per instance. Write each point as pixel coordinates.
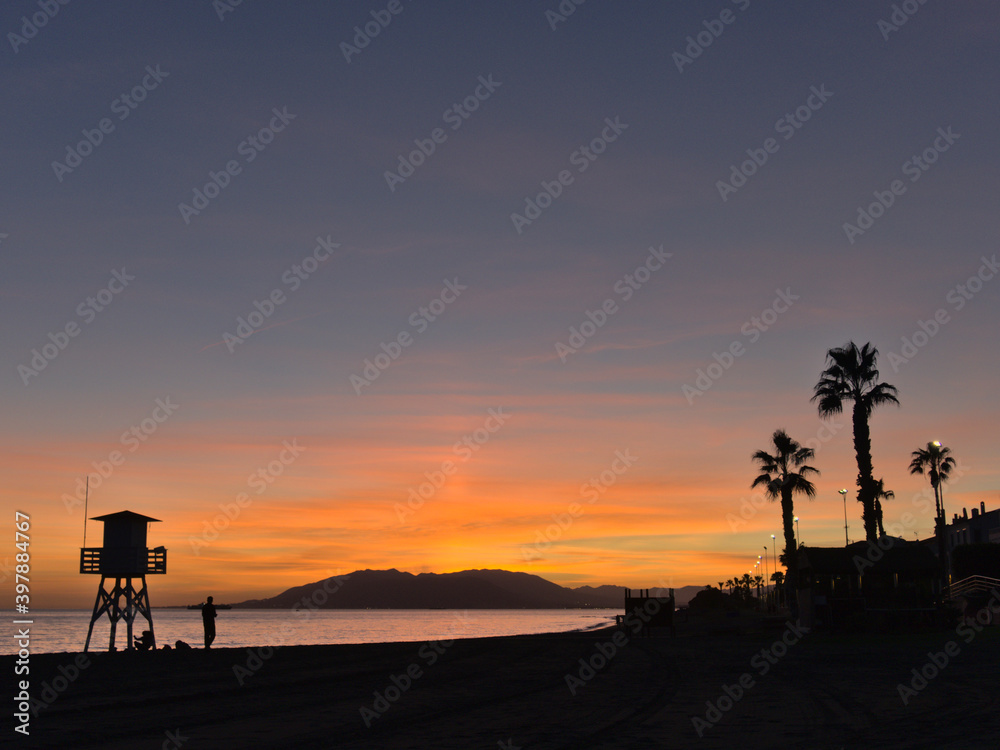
(770, 686)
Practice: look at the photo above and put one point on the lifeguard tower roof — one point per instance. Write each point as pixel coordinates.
(125, 515)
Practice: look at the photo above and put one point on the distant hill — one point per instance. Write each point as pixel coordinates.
(468, 589)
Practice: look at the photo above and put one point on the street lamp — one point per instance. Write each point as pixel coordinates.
(774, 552)
(843, 494)
(798, 539)
(765, 568)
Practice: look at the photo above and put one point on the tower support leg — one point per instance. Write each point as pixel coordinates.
(110, 603)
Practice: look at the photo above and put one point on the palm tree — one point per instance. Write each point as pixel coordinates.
(936, 460)
(851, 374)
(881, 493)
(778, 577)
(784, 474)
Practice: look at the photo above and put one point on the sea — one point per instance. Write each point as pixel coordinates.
(62, 630)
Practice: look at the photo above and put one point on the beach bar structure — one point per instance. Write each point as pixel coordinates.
(651, 611)
(894, 581)
(126, 560)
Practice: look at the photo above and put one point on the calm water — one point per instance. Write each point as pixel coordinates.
(55, 631)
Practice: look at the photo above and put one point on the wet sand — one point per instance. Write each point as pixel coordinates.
(821, 691)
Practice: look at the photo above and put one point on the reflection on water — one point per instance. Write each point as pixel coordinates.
(66, 630)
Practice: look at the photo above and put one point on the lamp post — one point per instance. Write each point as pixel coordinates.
(798, 538)
(843, 493)
(774, 556)
(756, 576)
(765, 569)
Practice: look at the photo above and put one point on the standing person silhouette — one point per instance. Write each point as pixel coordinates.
(208, 616)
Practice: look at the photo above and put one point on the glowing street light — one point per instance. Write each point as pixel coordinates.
(798, 539)
(765, 568)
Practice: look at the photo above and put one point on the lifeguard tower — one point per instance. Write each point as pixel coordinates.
(123, 558)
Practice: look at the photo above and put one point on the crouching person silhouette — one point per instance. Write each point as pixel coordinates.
(145, 642)
(208, 616)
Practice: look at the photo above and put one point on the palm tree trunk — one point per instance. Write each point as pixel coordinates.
(791, 553)
(866, 479)
(942, 533)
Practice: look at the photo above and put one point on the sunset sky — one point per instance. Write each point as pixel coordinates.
(306, 269)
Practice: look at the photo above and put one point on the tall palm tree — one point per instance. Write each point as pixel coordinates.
(851, 374)
(784, 474)
(881, 493)
(936, 460)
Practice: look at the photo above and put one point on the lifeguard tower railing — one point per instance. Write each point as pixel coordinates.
(123, 561)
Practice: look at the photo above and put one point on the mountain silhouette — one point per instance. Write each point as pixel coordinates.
(468, 589)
